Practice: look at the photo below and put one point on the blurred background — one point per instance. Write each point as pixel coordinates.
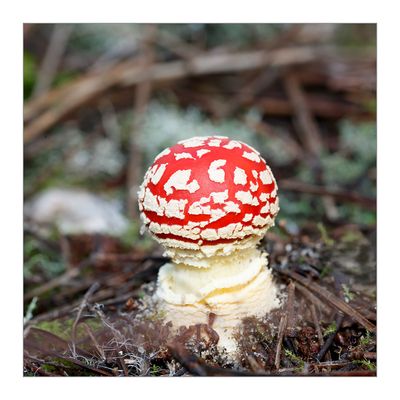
(102, 100)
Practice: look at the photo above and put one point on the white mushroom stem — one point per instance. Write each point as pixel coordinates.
(209, 201)
(233, 287)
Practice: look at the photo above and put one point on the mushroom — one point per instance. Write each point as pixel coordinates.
(209, 201)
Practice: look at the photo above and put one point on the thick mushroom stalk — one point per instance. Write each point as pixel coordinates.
(209, 201)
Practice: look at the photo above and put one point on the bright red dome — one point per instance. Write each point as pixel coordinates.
(206, 191)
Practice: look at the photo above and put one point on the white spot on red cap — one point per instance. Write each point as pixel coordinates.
(193, 142)
(244, 197)
(260, 221)
(180, 156)
(214, 143)
(179, 180)
(239, 176)
(247, 217)
(201, 152)
(264, 196)
(220, 197)
(158, 174)
(150, 202)
(162, 154)
(252, 148)
(231, 207)
(197, 208)
(232, 144)
(216, 214)
(253, 187)
(274, 207)
(229, 230)
(251, 155)
(175, 208)
(265, 177)
(215, 172)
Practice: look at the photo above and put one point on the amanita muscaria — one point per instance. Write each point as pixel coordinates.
(209, 201)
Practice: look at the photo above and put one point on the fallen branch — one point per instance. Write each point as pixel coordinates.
(302, 187)
(59, 103)
(305, 123)
(339, 304)
(281, 332)
(58, 281)
(62, 311)
(317, 324)
(290, 326)
(54, 53)
(315, 301)
(323, 107)
(331, 336)
(83, 304)
(94, 340)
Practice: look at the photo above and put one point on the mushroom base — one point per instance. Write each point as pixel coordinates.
(240, 287)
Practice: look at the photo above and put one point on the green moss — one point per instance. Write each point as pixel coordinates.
(155, 370)
(294, 359)
(56, 327)
(367, 364)
(36, 258)
(366, 340)
(330, 329)
(370, 105)
(359, 215)
(356, 36)
(326, 271)
(48, 368)
(72, 369)
(328, 241)
(30, 73)
(262, 332)
(295, 208)
(63, 328)
(347, 293)
(352, 236)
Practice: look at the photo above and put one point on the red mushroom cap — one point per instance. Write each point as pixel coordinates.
(208, 191)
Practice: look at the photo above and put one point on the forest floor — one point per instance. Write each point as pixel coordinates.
(325, 326)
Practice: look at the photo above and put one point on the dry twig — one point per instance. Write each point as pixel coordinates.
(58, 281)
(281, 332)
(307, 127)
(83, 304)
(330, 338)
(142, 98)
(315, 301)
(46, 111)
(94, 340)
(301, 187)
(55, 50)
(290, 326)
(339, 304)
